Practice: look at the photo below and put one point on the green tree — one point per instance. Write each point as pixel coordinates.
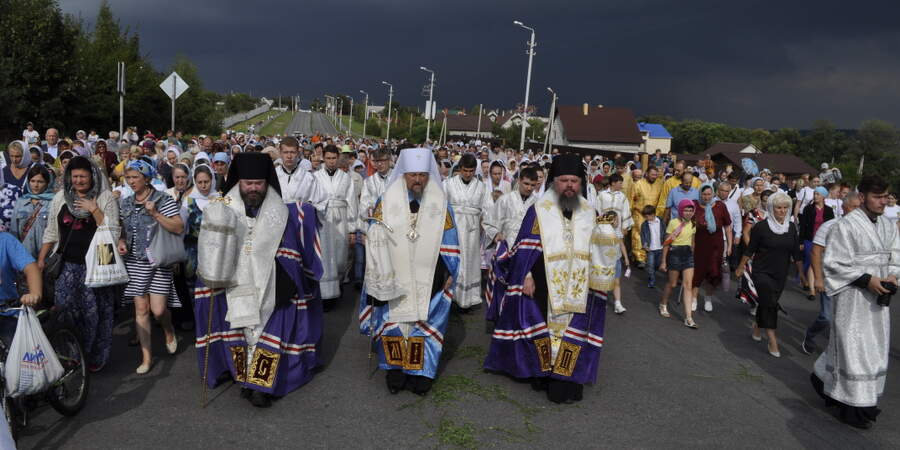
(37, 54)
(877, 141)
(195, 110)
(785, 140)
(239, 102)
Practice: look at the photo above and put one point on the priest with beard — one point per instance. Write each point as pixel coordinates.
(264, 327)
(412, 257)
(550, 319)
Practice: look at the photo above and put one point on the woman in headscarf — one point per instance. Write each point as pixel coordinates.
(202, 158)
(813, 216)
(183, 317)
(713, 232)
(146, 212)
(773, 244)
(29, 218)
(166, 165)
(13, 180)
(678, 259)
(84, 203)
(203, 191)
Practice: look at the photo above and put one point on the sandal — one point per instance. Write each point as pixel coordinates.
(690, 323)
(664, 311)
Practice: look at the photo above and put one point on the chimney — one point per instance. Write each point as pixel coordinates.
(585, 109)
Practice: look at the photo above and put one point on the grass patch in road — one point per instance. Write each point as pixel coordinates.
(472, 351)
(462, 435)
(245, 125)
(278, 124)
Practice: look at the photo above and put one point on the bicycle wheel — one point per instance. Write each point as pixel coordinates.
(69, 394)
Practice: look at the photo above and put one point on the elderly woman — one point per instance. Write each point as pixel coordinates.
(29, 218)
(13, 180)
(146, 212)
(773, 244)
(181, 178)
(84, 203)
(167, 164)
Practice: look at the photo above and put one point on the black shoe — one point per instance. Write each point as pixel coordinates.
(810, 297)
(246, 393)
(396, 380)
(539, 384)
(329, 304)
(420, 385)
(807, 346)
(260, 399)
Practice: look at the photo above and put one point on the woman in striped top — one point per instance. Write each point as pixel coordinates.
(150, 287)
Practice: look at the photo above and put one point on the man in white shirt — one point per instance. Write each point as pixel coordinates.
(805, 197)
(509, 209)
(30, 135)
(51, 147)
(834, 199)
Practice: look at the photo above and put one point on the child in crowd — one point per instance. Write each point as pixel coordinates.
(652, 235)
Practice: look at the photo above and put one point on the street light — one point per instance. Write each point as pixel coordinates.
(430, 109)
(550, 122)
(387, 138)
(365, 112)
(531, 45)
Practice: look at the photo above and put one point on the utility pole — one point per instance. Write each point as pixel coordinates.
(387, 138)
(547, 143)
(531, 45)
(429, 114)
(120, 87)
(365, 112)
(478, 133)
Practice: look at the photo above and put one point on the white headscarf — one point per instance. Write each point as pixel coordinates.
(199, 198)
(777, 228)
(415, 160)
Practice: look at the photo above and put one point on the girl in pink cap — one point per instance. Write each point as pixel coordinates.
(678, 259)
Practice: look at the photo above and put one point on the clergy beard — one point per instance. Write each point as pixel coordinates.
(568, 203)
(253, 199)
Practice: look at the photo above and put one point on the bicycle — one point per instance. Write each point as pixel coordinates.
(67, 395)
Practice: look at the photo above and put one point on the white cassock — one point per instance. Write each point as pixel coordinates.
(471, 202)
(373, 189)
(339, 218)
(854, 365)
(509, 210)
(300, 186)
(608, 200)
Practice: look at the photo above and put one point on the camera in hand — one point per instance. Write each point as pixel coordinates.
(885, 299)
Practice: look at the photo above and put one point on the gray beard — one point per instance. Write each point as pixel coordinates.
(568, 203)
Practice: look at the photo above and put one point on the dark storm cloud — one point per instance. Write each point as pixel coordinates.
(751, 63)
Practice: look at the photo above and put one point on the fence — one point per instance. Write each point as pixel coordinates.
(240, 117)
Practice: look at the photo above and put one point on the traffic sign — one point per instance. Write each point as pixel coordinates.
(174, 85)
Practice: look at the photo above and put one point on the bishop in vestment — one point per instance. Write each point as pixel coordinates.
(412, 258)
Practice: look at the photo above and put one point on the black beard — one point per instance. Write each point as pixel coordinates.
(253, 199)
(568, 203)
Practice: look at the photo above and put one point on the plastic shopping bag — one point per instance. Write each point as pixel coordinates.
(31, 365)
(103, 264)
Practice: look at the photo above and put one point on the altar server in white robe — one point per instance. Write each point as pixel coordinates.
(862, 264)
(297, 183)
(509, 209)
(339, 219)
(374, 186)
(612, 199)
(471, 201)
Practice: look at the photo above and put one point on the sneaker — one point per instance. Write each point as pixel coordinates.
(619, 308)
(807, 346)
(694, 306)
(707, 304)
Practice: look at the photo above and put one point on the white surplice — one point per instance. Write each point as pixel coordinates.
(339, 218)
(373, 189)
(609, 200)
(300, 185)
(471, 203)
(854, 365)
(509, 210)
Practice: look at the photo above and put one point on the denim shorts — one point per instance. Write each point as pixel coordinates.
(680, 257)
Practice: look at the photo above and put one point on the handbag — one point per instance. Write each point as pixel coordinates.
(103, 264)
(53, 263)
(165, 249)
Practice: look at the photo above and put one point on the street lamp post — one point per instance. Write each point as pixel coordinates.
(350, 118)
(550, 122)
(365, 112)
(531, 45)
(387, 138)
(339, 113)
(428, 114)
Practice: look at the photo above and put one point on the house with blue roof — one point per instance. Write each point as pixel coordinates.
(655, 137)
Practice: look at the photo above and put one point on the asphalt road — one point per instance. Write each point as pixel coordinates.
(660, 385)
(309, 123)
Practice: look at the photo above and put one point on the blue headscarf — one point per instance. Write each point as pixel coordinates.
(145, 168)
(48, 193)
(708, 213)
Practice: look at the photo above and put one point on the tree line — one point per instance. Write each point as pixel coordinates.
(57, 72)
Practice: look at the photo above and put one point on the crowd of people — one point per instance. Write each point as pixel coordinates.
(276, 230)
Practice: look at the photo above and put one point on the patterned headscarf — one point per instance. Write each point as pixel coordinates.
(146, 169)
(98, 184)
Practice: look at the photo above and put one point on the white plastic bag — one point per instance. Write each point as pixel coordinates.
(103, 264)
(31, 365)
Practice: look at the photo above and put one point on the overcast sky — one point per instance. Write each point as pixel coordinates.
(750, 63)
